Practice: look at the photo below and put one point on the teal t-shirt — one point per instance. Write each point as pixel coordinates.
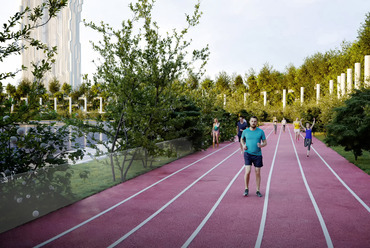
(251, 139)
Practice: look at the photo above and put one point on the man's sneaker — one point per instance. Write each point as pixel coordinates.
(246, 192)
(258, 194)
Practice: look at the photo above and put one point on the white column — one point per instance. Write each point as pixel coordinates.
(70, 103)
(338, 86)
(101, 104)
(284, 98)
(367, 71)
(302, 95)
(342, 84)
(224, 99)
(357, 75)
(245, 98)
(264, 98)
(55, 104)
(317, 93)
(349, 81)
(40, 101)
(331, 86)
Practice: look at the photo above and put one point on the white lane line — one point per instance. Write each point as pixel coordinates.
(265, 204)
(344, 184)
(201, 225)
(168, 203)
(123, 201)
(318, 213)
(195, 233)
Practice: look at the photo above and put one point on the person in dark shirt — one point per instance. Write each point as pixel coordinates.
(241, 125)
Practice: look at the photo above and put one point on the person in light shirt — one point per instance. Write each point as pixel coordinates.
(296, 125)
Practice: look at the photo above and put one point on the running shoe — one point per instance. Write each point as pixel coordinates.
(258, 194)
(246, 192)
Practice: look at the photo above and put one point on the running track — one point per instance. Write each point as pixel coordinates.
(197, 201)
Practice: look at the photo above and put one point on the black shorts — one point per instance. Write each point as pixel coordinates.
(250, 159)
(239, 137)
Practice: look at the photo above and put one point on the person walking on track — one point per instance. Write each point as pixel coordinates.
(296, 125)
(253, 139)
(241, 125)
(274, 121)
(215, 131)
(308, 138)
(283, 122)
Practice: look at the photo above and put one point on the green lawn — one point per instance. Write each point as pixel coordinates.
(362, 162)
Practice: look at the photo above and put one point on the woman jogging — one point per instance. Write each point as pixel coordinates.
(296, 129)
(308, 138)
(215, 131)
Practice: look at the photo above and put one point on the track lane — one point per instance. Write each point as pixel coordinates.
(66, 219)
(348, 222)
(171, 226)
(236, 220)
(197, 201)
(291, 219)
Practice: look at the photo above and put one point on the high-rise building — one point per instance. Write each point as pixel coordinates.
(62, 31)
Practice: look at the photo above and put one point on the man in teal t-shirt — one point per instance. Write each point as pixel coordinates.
(253, 139)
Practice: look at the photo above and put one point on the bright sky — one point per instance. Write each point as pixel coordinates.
(241, 34)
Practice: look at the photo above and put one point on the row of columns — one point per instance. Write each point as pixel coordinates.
(70, 104)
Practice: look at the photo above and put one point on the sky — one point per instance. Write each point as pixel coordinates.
(241, 34)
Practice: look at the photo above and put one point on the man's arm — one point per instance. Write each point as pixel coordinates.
(243, 143)
(262, 144)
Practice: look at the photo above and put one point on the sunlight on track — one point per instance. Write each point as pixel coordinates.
(318, 213)
(342, 182)
(125, 200)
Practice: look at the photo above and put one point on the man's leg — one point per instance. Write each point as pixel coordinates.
(258, 177)
(246, 179)
(247, 175)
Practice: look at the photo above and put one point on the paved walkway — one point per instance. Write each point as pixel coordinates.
(197, 201)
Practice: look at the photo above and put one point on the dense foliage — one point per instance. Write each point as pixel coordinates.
(351, 125)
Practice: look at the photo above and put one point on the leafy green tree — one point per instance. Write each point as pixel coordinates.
(24, 88)
(40, 146)
(54, 86)
(138, 70)
(192, 81)
(18, 154)
(206, 84)
(252, 85)
(351, 124)
(223, 82)
(364, 36)
(66, 89)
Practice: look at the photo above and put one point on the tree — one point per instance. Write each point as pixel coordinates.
(19, 154)
(137, 71)
(54, 86)
(351, 124)
(223, 82)
(206, 84)
(364, 36)
(252, 84)
(39, 147)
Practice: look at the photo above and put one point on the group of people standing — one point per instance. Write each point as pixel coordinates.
(252, 139)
